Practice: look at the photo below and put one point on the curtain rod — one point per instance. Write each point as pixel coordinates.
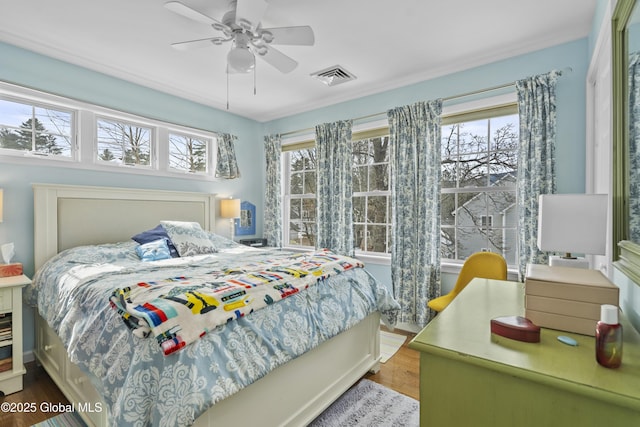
(448, 98)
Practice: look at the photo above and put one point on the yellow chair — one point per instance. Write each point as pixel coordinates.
(487, 265)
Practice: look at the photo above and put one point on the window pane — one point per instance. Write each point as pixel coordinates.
(472, 171)
(447, 209)
(505, 133)
(359, 240)
(37, 129)
(359, 214)
(377, 238)
(309, 210)
(379, 177)
(377, 209)
(296, 183)
(360, 179)
(310, 182)
(473, 137)
(295, 209)
(361, 153)
(502, 206)
(187, 153)
(123, 143)
(380, 149)
(308, 234)
(295, 233)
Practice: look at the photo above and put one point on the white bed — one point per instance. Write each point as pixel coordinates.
(308, 384)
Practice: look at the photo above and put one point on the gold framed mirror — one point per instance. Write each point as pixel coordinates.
(626, 138)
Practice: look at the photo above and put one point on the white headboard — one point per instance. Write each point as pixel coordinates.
(67, 215)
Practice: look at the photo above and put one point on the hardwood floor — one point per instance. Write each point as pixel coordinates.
(32, 405)
(400, 373)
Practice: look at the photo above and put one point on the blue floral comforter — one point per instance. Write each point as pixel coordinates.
(140, 385)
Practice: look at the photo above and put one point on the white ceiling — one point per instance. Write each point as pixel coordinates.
(385, 44)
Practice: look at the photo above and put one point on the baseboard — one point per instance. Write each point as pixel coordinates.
(28, 356)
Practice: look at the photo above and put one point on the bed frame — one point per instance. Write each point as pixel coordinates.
(67, 216)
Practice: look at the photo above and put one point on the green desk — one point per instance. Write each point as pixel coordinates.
(470, 378)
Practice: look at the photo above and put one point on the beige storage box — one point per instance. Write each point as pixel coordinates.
(565, 298)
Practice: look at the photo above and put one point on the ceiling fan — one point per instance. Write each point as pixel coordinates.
(241, 26)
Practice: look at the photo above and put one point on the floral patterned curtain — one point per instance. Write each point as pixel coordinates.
(273, 191)
(334, 187)
(415, 188)
(227, 166)
(536, 159)
(634, 147)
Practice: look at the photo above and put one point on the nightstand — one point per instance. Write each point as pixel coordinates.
(11, 364)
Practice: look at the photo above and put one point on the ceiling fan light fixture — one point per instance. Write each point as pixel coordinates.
(241, 59)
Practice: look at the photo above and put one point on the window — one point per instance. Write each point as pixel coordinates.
(40, 128)
(300, 197)
(36, 129)
(188, 153)
(371, 195)
(123, 143)
(479, 167)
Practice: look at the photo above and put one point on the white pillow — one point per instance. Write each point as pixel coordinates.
(188, 238)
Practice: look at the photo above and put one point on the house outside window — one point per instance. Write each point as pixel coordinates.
(479, 167)
(36, 129)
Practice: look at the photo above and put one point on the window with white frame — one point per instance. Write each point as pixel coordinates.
(371, 195)
(39, 129)
(188, 153)
(300, 196)
(479, 167)
(123, 143)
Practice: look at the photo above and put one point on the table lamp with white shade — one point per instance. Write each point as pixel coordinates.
(230, 208)
(572, 223)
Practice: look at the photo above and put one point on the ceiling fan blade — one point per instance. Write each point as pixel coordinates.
(300, 36)
(279, 60)
(250, 11)
(192, 44)
(187, 12)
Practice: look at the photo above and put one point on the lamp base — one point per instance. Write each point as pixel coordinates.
(558, 261)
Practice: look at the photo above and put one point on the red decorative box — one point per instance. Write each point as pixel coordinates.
(13, 269)
(516, 328)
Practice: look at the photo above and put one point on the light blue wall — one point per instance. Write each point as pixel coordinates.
(29, 69)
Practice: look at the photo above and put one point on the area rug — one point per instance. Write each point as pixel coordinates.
(390, 343)
(369, 404)
(67, 419)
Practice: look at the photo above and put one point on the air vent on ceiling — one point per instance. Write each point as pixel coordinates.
(333, 75)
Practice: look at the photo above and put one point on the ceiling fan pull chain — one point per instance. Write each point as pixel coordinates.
(227, 87)
(254, 75)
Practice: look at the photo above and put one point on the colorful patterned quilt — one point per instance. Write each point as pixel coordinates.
(140, 385)
(179, 310)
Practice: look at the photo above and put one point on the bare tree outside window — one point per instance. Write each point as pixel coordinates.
(123, 143)
(187, 153)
